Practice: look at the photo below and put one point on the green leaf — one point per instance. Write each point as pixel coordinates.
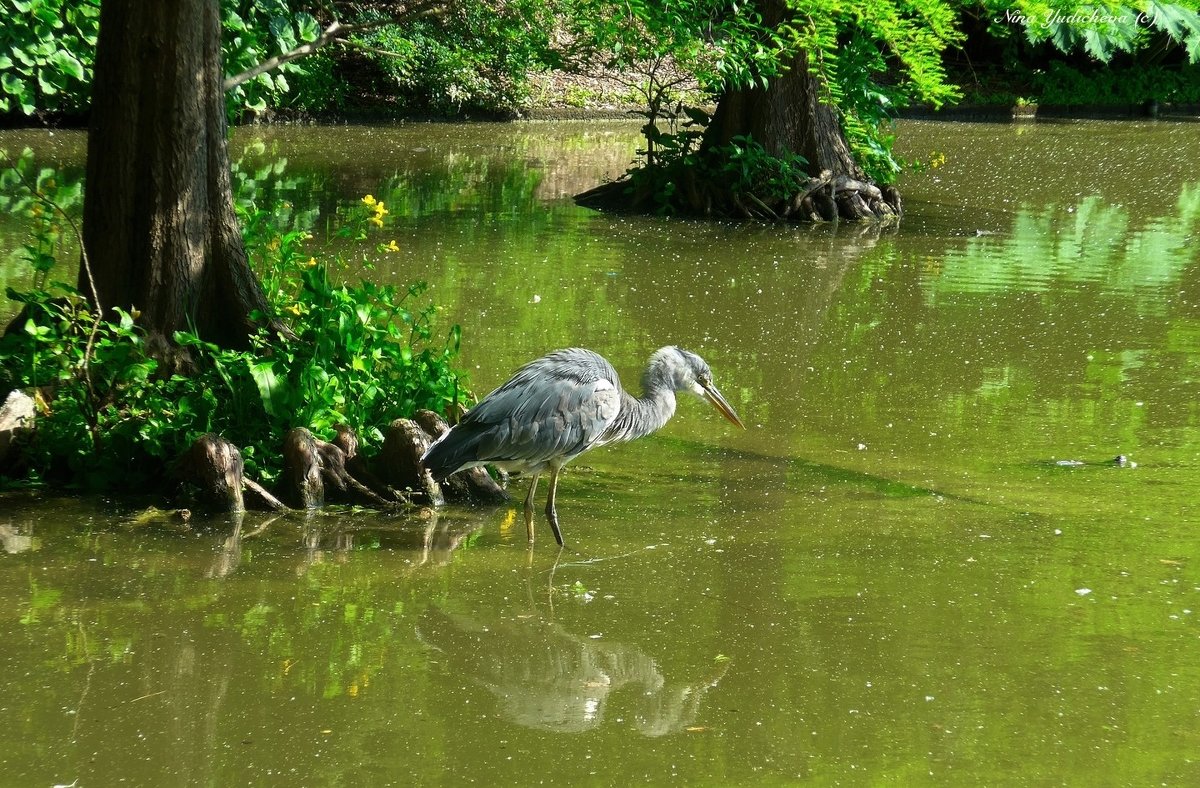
(126, 318)
(281, 28)
(48, 88)
(68, 64)
(12, 84)
(270, 387)
(307, 27)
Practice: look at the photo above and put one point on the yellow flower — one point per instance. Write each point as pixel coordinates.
(311, 262)
(510, 517)
(368, 200)
(391, 246)
(380, 210)
(375, 220)
(294, 309)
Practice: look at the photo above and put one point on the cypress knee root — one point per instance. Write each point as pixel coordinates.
(301, 485)
(214, 466)
(403, 444)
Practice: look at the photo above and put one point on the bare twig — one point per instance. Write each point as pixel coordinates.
(335, 30)
(270, 500)
(771, 213)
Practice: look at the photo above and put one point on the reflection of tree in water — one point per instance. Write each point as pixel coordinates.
(544, 676)
(431, 538)
(550, 679)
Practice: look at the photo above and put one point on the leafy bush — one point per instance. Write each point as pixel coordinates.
(48, 47)
(112, 418)
(473, 56)
(1062, 84)
(46, 54)
(254, 31)
(316, 86)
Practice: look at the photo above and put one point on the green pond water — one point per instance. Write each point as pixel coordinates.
(919, 564)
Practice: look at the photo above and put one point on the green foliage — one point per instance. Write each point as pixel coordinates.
(46, 54)
(315, 86)
(113, 418)
(747, 168)
(1060, 83)
(471, 56)
(254, 31)
(721, 43)
(1101, 28)
(872, 56)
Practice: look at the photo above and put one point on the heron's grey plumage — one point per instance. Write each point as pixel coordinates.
(562, 404)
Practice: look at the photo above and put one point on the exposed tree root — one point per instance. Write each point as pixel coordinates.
(214, 466)
(316, 472)
(823, 198)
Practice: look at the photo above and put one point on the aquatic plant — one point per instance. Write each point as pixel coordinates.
(113, 410)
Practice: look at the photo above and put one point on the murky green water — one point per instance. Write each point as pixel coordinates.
(888, 579)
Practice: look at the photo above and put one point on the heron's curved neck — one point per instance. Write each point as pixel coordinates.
(643, 415)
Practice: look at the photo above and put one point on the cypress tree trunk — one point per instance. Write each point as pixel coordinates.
(159, 224)
(787, 117)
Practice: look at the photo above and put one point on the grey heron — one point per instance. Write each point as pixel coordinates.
(563, 404)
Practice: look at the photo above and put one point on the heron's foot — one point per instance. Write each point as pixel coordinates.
(552, 516)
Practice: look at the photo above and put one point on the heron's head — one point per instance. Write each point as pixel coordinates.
(683, 370)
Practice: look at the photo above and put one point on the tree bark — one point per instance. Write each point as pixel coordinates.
(159, 223)
(301, 486)
(215, 466)
(789, 116)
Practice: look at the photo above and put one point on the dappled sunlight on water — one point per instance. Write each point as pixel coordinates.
(920, 563)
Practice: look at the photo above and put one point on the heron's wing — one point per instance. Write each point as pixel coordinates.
(551, 410)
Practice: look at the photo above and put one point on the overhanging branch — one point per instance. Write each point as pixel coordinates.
(336, 30)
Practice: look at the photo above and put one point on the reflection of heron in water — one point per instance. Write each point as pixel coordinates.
(559, 406)
(550, 679)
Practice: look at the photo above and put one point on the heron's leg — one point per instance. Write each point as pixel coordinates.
(551, 514)
(529, 506)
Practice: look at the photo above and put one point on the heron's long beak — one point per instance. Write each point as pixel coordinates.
(718, 402)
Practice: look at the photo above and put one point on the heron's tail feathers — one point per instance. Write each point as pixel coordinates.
(455, 450)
